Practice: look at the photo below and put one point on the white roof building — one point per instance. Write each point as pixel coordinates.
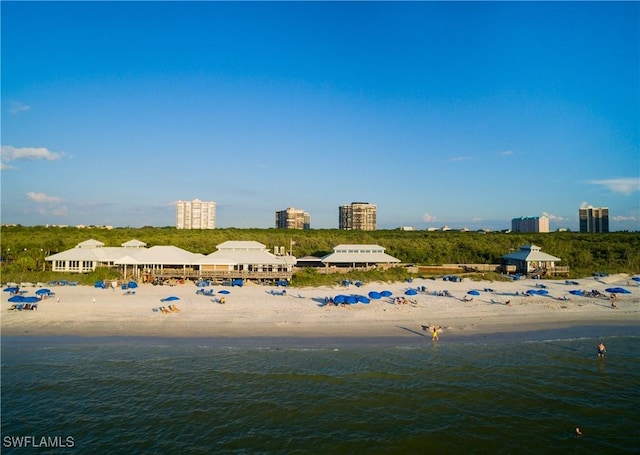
(530, 258)
(233, 258)
(353, 255)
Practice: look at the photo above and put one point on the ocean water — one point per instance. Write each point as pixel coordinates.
(214, 396)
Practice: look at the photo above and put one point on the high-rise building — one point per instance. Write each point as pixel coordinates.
(594, 219)
(195, 215)
(292, 218)
(530, 224)
(357, 216)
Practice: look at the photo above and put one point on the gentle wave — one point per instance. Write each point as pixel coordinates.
(193, 397)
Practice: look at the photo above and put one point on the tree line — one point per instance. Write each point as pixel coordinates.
(24, 248)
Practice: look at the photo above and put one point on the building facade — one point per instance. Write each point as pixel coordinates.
(292, 218)
(530, 224)
(359, 216)
(195, 214)
(594, 219)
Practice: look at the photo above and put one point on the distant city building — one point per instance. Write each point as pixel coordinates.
(195, 215)
(292, 218)
(359, 216)
(530, 224)
(594, 219)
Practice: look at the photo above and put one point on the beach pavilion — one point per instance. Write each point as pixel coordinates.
(359, 256)
(529, 259)
(245, 259)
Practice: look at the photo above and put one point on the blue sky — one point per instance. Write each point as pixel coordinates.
(458, 114)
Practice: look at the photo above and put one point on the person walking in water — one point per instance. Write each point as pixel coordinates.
(601, 349)
(434, 336)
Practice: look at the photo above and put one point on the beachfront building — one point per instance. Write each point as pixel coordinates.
(195, 214)
(245, 259)
(359, 216)
(529, 259)
(530, 224)
(594, 219)
(292, 218)
(235, 259)
(359, 256)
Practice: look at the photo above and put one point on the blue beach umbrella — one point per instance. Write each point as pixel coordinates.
(410, 292)
(340, 298)
(43, 291)
(11, 289)
(224, 291)
(352, 299)
(386, 293)
(16, 299)
(30, 299)
(363, 299)
(374, 295)
(576, 292)
(171, 298)
(618, 291)
(636, 278)
(473, 292)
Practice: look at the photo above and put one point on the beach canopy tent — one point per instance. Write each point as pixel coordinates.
(618, 291)
(473, 292)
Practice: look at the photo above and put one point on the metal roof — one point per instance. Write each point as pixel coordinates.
(531, 253)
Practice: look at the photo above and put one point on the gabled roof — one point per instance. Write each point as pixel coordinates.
(358, 247)
(251, 256)
(164, 255)
(359, 254)
(133, 243)
(91, 243)
(530, 253)
(240, 245)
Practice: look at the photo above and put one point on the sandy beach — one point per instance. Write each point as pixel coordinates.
(262, 311)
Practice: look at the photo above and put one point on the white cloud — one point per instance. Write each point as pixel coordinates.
(506, 153)
(553, 217)
(460, 158)
(42, 198)
(17, 107)
(624, 185)
(625, 218)
(584, 205)
(10, 153)
(428, 218)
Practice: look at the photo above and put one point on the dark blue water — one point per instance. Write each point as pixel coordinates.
(129, 395)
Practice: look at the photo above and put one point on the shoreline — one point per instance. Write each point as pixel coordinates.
(255, 312)
(546, 334)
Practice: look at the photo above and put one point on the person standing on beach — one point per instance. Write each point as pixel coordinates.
(601, 349)
(434, 337)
